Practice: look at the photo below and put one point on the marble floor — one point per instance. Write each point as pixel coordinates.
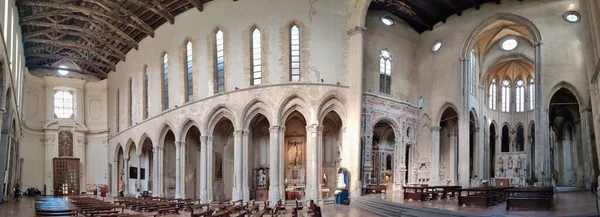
(565, 204)
(25, 208)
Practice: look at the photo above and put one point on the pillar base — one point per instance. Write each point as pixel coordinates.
(273, 195)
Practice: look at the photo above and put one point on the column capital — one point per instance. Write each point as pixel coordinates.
(356, 30)
(436, 128)
(453, 133)
(125, 158)
(203, 138)
(586, 109)
(238, 132)
(538, 44)
(159, 148)
(314, 128)
(275, 129)
(177, 143)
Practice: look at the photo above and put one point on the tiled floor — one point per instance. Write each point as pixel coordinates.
(25, 208)
(565, 204)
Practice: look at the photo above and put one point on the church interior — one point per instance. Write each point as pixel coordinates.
(299, 107)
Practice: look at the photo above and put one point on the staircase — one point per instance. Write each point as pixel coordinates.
(386, 208)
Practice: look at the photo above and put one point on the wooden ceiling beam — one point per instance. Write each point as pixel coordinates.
(95, 50)
(62, 28)
(163, 11)
(101, 74)
(89, 11)
(450, 4)
(126, 12)
(421, 5)
(70, 58)
(198, 4)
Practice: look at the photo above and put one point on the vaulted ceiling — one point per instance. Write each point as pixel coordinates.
(97, 34)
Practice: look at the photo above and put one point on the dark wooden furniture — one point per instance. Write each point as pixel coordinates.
(66, 176)
(530, 198)
(416, 193)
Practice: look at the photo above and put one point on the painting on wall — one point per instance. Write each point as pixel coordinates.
(65, 143)
(218, 166)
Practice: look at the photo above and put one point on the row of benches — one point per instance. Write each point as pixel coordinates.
(532, 197)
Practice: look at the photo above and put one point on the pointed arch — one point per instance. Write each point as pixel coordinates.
(445, 106)
(216, 114)
(164, 129)
(254, 107)
(117, 149)
(291, 103)
(472, 38)
(187, 124)
(569, 87)
(143, 139)
(130, 143)
(332, 102)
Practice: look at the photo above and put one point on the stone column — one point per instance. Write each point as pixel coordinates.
(541, 124)
(182, 168)
(354, 57)
(139, 177)
(126, 178)
(237, 165)
(367, 152)
(154, 171)
(274, 155)
(281, 162)
(161, 171)
(435, 156)
(586, 140)
(177, 169)
(245, 170)
(479, 161)
(210, 172)
(203, 170)
(454, 157)
(463, 127)
(312, 151)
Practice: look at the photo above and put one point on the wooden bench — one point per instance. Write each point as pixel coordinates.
(313, 209)
(476, 197)
(417, 193)
(530, 198)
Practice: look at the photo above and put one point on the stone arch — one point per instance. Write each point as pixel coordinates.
(293, 102)
(359, 13)
(475, 116)
(472, 38)
(391, 121)
(164, 129)
(187, 124)
(495, 126)
(128, 145)
(117, 149)
(568, 86)
(445, 106)
(331, 103)
(216, 114)
(254, 107)
(143, 139)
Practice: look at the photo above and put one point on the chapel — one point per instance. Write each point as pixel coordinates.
(344, 107)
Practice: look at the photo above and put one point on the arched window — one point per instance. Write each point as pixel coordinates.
(505, 140)
(505, 96)
(493, 94)
(145, 92)
(256, 57)
(385, 71)
(189, 72)
(117, 108)
(531, 94)
(520, 146)
(220, 62)
(295, 53)
(165, 84)
(520, 98)
(129, 103)
(473, 73)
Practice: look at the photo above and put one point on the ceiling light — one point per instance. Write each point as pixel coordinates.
(388, 21)
(436, 46)
(63, 70)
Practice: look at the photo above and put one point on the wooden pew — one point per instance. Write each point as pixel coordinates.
(266, 210)
(296, 209)
(313, 209)
(197, 210)
(477, 196)
(417, 193)
(530, 198)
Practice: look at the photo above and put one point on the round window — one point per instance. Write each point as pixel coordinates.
(572, 16)
(509, 43)
(388, 21)
(436, 46)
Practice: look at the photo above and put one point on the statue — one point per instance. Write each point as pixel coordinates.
(324, 180)
(261, 178)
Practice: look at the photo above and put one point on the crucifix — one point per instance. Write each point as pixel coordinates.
(295, 144)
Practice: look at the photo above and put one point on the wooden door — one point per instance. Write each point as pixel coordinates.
(66, 176)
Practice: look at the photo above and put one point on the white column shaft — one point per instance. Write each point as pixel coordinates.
(274, 164)
(237, 165)
(435, 156)
(203, 164)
